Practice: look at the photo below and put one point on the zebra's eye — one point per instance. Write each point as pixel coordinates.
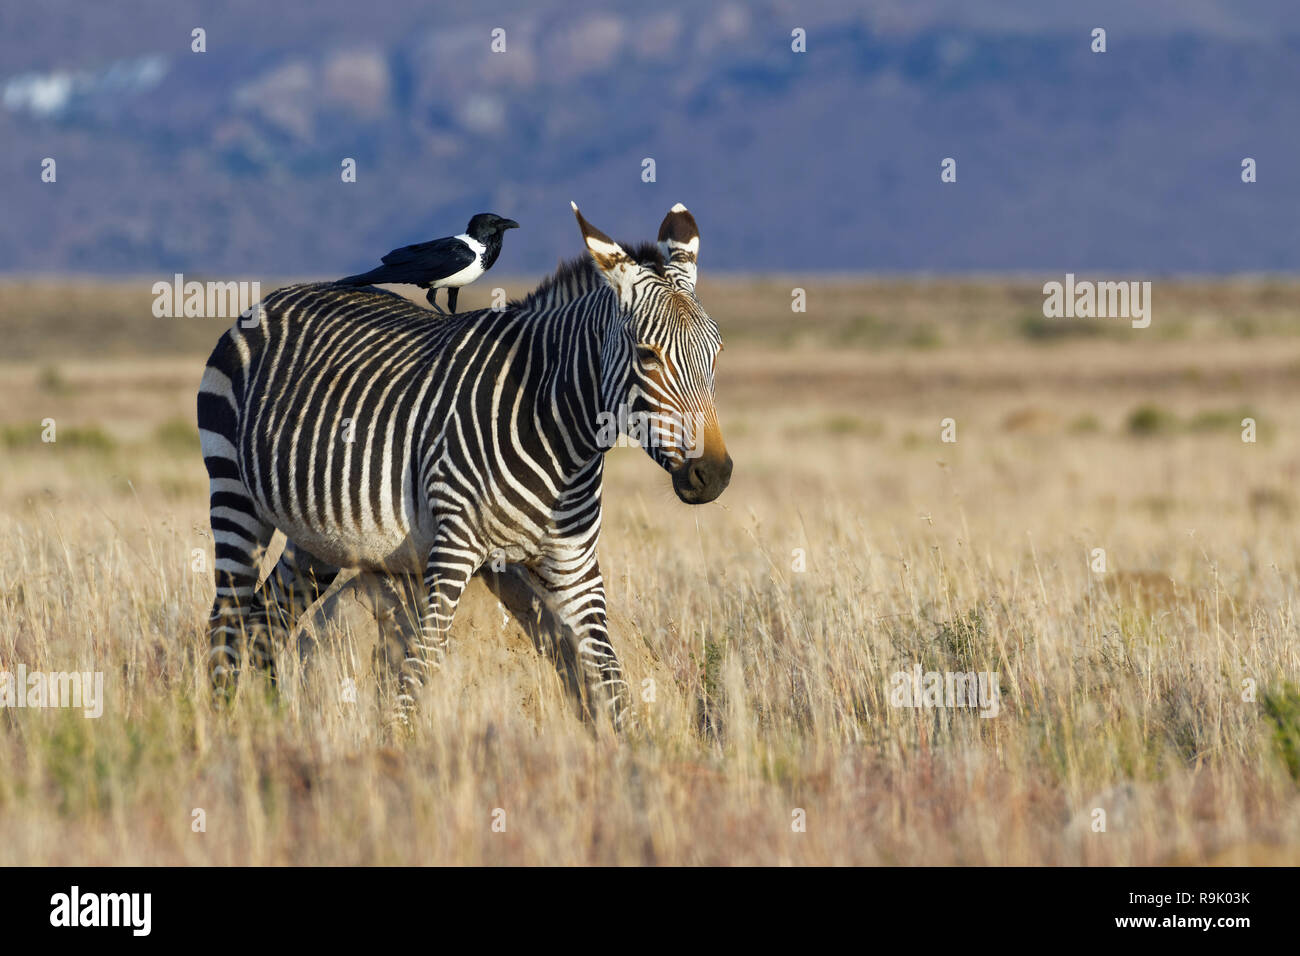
(649, 356)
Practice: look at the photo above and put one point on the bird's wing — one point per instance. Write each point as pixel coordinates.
(419, 264)
(431, 260)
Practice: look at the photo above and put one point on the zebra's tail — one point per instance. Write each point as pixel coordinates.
(219, 404)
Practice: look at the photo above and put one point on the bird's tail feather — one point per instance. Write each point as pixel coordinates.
(362, 278)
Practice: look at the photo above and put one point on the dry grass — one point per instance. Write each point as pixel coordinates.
(1121, 691)
(72, 318)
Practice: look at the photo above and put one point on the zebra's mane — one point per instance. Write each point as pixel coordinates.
(578, 276)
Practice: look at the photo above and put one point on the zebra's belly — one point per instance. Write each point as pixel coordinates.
(370, 549)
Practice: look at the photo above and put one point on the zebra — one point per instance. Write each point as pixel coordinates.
(376, 439)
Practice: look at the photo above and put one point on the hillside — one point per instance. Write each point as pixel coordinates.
(228, 161)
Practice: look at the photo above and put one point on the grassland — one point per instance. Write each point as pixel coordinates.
(1162, 690)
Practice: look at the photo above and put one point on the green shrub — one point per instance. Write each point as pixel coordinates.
(1282, 708)
(1148, 420)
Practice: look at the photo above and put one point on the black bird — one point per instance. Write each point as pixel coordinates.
(442, 263)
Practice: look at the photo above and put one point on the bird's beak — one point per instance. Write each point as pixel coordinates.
(508, 224)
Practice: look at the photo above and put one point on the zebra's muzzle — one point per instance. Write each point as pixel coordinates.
(699, 480)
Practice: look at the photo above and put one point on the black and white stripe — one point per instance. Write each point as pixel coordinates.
(376, 439)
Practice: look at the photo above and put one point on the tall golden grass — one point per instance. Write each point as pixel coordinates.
(1160, 691)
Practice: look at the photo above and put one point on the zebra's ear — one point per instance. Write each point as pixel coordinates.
(618, 267)
(679, 241)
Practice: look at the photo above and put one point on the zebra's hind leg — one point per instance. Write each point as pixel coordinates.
(239, 537)
(295, 583)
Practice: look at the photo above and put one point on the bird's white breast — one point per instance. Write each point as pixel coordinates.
(470, 272)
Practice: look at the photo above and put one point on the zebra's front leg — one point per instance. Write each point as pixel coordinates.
(577, 595)
(446, 574)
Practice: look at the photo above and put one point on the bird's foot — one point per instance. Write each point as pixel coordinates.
(432, 297)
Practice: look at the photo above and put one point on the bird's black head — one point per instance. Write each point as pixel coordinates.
(486, 226)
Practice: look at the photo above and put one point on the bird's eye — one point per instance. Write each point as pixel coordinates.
(649, 356)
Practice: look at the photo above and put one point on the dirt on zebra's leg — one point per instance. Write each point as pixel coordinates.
(597, 687)
(520, 594)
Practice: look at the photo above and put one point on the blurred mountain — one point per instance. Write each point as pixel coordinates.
(229, 161)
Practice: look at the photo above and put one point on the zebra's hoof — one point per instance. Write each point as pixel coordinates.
(225, 684)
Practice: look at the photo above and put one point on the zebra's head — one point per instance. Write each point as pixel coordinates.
(661, 361)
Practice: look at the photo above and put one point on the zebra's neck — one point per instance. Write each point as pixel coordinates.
(587, 370)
